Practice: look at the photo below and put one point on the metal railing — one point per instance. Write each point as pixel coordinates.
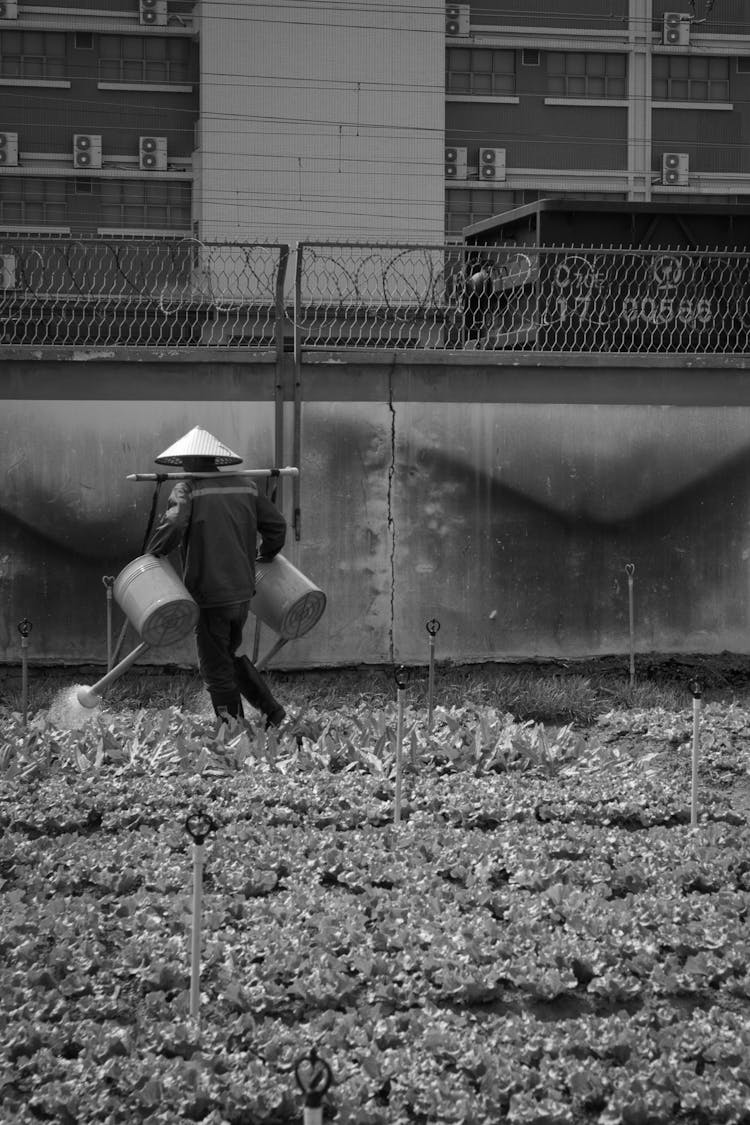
(182, 292)
(517, 298)
(141, 292)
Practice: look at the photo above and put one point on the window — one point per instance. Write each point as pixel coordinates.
(530, 57)
(32, 201)
(84, 41)
(133, 203)
(32, 54)
(480, 72)
(464, 207)
(144, 58)
(586, 74)
(687, 78)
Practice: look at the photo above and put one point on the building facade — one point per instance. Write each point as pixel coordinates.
(97, 117)
(635, 100)
(291, 120)
(274, 121)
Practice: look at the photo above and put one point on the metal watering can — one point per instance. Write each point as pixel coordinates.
(154, 599)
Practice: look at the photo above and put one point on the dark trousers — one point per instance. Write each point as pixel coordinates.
(218, 635)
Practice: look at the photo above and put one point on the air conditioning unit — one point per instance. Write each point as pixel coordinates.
(87, 150)
(492, 164)
(455, 163)
(457, 20)
(153, 12)
(8, 9)
(152, 153)
(676, 29)
(9, 149)
(675, 169)
(7, 271)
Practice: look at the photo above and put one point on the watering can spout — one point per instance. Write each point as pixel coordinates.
(87, 697)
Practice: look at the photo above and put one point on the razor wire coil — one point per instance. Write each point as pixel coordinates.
(183, 292)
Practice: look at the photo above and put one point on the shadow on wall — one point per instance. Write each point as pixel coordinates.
(518, 546)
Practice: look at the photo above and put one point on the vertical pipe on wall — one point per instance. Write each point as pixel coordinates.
(297, 432)
(640, 18)
(280, 314)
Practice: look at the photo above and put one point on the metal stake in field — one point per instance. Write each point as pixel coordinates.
(109, 581)
(630, 571)
(199, 826)
(695, 688)
(432, 627)
(313, 1076)
(400, 677)
(24, 628)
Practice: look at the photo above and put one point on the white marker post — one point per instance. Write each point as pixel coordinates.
(109, 581)
(400, 678)
(630, 571)
(695, 688)
(24, 628)
(198, 826)
(313, 1076)
(432, 626)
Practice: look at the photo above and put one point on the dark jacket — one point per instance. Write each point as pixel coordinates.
(216, 521)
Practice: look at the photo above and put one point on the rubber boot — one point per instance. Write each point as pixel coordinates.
(257, 692)
(227, 705)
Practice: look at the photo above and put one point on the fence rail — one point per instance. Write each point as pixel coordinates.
(147, 292)
(517, 298)
(184, 292)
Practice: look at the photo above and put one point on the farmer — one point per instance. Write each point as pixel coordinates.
(214, 520)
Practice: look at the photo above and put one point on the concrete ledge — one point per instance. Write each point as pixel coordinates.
(71, 353)
(475, 357)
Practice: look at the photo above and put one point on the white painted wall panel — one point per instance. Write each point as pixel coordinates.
(322, 121)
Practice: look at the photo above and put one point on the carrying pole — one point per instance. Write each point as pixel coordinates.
(287, 471)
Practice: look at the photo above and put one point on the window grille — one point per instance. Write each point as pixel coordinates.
(33, 200)
(687, 78)
(32, 54)
(586, 74)
(464, 207)
(480, 71)
(145, 58)
(156, 205)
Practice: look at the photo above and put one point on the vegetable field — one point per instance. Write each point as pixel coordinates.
(541, 939)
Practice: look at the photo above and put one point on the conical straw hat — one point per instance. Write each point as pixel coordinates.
(198, 443)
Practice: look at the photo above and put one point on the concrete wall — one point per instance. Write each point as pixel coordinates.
(504, 500)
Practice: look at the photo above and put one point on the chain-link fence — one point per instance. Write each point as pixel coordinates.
(183, 292)
(556, 299)
(140, 292)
